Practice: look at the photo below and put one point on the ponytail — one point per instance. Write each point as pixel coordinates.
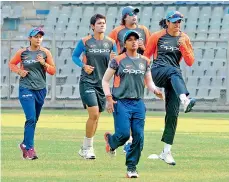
(123, 50)
(162, 23)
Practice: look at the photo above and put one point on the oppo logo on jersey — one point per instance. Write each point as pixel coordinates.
(99, 50)
(30, 61)
(132, 71)
(170, 48)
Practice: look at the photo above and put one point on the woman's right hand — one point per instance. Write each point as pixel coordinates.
(181, 41)
(88, 69)
(110, 104)
(159, 93)
(23, 73)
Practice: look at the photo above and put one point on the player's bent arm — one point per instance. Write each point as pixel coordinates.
(149, 82)
(49, 65)
(76, 54)
(187, 52)
(14, 61)
(106, 79)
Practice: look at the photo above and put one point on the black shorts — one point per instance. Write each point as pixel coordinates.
(92, 95)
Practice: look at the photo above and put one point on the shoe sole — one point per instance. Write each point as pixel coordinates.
(190, 106)
(91, 158)
(131, 176)
(34, 158)
(171, 164)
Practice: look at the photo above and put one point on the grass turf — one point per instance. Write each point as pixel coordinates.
(200, 149)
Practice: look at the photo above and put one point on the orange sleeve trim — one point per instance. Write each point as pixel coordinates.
(15, 60)
(151, 48)
(112, 40)
(114, 36)
(86, 38)
(187, 50)
(117, 78)
(49, 66)
(116, 81)
(114, 33)
(120, 57)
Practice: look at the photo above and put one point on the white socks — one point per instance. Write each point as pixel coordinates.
(167, 148)
(130, 140)
(88, 142)
(183, 98)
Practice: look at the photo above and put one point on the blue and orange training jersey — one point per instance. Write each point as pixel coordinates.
(129, 78)
(96, 53)
(167, 51)
(118, 34)
(36, 78)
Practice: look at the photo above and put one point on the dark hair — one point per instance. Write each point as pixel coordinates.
(123, 50)
(162, 23)
(96, 17)
(123, 21)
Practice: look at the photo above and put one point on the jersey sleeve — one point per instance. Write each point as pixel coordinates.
(114, 35)
(187, 51)
(113, 64)
(50, 68)
(14, 61)
(77, 52)
(151, 46)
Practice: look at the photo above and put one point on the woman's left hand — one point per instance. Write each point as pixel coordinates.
(41, 59)
(110, 104)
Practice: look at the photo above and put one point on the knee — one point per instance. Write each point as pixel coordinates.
(31, 121)
(94, 116)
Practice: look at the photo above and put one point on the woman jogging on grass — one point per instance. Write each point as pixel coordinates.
(96, 49)
(131, 72)
(35, 61)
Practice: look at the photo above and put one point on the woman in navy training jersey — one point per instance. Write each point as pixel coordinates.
(131, 72)
(168, 47)
(35, 61)
(96, 50)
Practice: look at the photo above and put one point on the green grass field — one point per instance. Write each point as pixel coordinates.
(201, 149)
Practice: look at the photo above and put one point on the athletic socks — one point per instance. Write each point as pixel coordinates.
(167, 148)
(88, 142)
(130, 140)
(183, 98)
